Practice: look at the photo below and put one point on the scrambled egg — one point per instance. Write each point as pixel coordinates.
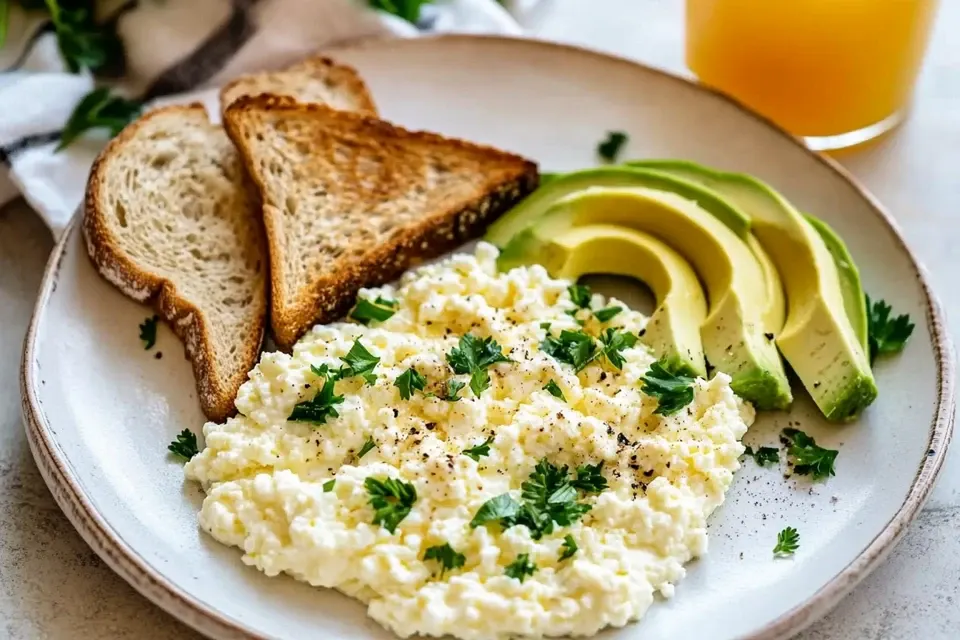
(267, 478)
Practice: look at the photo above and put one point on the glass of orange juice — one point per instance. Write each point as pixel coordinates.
(836, 72)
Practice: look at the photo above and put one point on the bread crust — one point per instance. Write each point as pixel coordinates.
(314, 68)
(332, 296)
(187, 321)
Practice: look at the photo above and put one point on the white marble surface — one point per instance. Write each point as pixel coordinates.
(53, 586)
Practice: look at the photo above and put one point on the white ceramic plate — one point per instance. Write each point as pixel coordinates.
(100, 410)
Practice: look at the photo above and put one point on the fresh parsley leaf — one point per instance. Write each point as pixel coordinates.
(479, 381)
(580, 295)
(474, 355)
(610, 148)
(185, 446)
(590, 478)
(359, 362)
(809, 459)
(391, 500)
(548, 498)
(148, 332)
(409, 10)
(607, 314)
(886, 335)
(367, 447)
(568, 548)
(554, 390)
(672, 391)
(763, 455)
(788, 541)
(479, 451)
(614, 341)
(447, 557)
(452, 391)
(99, 109)
(502, 507)
(329, 485)
(322, 405)
(408, 382)
(575, 348)
(366, 312)
(521, 567)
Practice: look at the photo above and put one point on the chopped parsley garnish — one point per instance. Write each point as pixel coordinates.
(553, 389)
(359, 362)
(575, 348)
(568, 548)
(672, 391)
(148, 332)
(474, 355)
(614, 341)
(548, 498)
(185, 446)
(367, 447)
(409, 382)
(610, 148)
(479, 451)
(448, 558)
(451, 394)
(501, 508)
(379, 310)
(807, 458)
(763, 455)
(99, 109)
(545, 326)
(329, 485)
(886, 335)
(590, 478)
(580, 295)
(788, 541)
(322, 405)
(391, 500)
(607, 314)
(521, 567)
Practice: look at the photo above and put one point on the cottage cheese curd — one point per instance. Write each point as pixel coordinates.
(264, 475)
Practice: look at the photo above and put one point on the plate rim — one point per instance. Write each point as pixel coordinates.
(130, 566)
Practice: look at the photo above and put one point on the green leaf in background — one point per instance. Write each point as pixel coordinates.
(99, 109)
(409, 10)
(83, 43)
(4, 20)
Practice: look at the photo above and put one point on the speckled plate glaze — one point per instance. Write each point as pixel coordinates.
(100, 410)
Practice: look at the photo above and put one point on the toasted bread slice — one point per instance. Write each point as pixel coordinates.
(319, 80)
(171, 218)
(351, 201)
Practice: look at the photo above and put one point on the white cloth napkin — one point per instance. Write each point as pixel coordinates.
(174, 47)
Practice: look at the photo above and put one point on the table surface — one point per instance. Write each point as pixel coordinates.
(52, 585)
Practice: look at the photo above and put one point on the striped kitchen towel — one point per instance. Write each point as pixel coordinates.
(167, 48)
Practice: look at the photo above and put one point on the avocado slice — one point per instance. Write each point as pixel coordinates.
(775, 310)
(734, 337)
(673, 331)
(853, 298)
(561, 185)
(818, 338)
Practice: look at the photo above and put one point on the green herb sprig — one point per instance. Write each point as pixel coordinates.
(788, 541)
(886, 335)
(185, 446)
(447, 556)
(807, 457)
(672, 391)
(391, 499)
(474, 356)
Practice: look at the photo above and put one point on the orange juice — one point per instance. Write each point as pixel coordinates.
(816, 67)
